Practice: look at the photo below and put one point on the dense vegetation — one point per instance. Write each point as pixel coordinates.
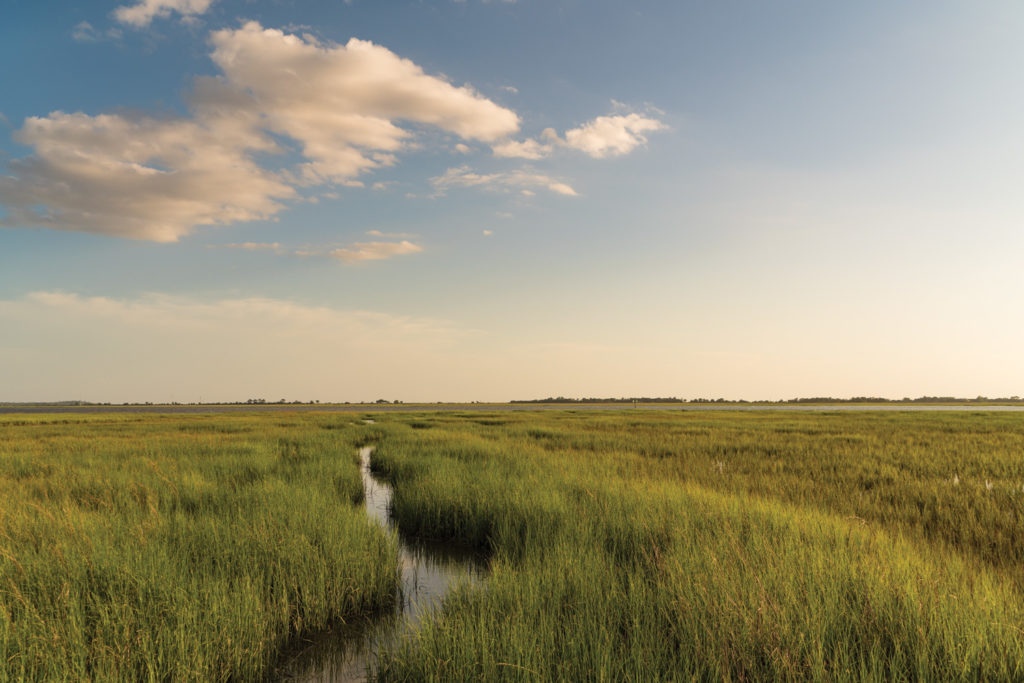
(629, 545)
(178, 548)
(738, 546)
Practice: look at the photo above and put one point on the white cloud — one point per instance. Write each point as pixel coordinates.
(345, 102)
(142, 178)
(527, 149)
(605, 136)
(508, 181)
(373, 251)
(561, 188)
(608, 136)
(156, 179)
(347, 106)
(142, 13)
(488, 233)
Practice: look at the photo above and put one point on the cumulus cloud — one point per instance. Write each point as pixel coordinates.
(508, 181)
(344, 106)
(562, 188)
(350, 108)
(142, 178)
(374, 251)
(527, 149)
(605, 136)
(608, 136)
(142, 13)
(156, 179)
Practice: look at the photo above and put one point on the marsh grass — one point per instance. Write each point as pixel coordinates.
(675, 546)
(179, 548)
(629, 545)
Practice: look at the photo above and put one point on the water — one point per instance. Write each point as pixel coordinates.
(429, 571)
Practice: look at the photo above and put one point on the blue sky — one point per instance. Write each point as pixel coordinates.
(491, 200)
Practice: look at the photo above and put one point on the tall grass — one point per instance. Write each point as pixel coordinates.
(179, 548)
(640, 546)
(629, 545)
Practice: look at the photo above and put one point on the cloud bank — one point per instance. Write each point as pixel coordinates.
(344, 110)
(159, 347)
(156, 179)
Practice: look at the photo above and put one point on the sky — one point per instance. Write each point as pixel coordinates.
(217, 200)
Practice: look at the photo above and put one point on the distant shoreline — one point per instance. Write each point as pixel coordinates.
(42, 408)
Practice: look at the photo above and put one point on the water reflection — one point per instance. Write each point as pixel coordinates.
(429, 571)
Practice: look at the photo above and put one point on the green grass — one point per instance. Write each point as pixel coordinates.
(627, 545)
(738, 546)
(179, 548)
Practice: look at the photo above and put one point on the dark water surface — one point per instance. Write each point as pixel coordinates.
(429, 571)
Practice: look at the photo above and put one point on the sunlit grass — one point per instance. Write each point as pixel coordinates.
(645, 546)
(184, 548)
(628, 545)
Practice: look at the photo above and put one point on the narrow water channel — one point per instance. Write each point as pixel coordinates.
(429, 571)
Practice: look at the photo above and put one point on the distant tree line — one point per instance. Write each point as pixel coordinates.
(813, 399)
(919, 399)
(563, 399)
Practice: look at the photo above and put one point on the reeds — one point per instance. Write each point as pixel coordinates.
(675, 546)
(178, 548)
(632, 545)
